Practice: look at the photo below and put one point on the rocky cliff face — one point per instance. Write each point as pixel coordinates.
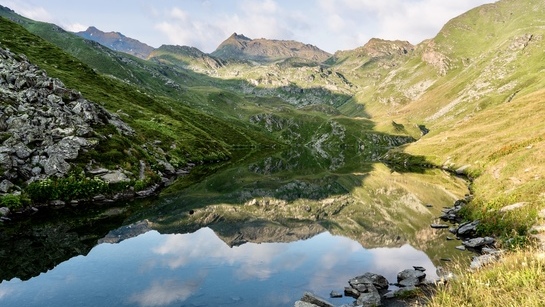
(43, 124)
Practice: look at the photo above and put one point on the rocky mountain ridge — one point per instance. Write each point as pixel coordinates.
(240, 47)
(117, 41)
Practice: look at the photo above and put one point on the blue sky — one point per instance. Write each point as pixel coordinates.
(329, 24)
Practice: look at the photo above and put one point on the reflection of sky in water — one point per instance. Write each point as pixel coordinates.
(201, 270)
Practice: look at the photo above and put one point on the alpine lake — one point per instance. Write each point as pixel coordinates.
(259, 230)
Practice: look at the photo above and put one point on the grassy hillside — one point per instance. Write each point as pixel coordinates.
(184, 134)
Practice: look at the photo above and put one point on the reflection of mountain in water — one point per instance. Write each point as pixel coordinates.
(39, 243)
(126, 232)
(295, 193)
(281, 198)
(265, 232)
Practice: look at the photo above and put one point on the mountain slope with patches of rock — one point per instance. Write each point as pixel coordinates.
(44, 125)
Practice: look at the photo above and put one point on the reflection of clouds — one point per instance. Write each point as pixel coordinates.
(322, 263)
(4, 292)
(166, 292)
(253, 260)
(393, 260)
(345, 259)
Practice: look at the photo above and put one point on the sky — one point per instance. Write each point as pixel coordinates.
(328, 24)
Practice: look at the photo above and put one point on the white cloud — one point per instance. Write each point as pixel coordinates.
(264, 19)
(30, 11)
(413, 20)
(75, 27)
(182, 29)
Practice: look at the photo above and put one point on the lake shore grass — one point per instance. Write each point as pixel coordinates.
(517, 279)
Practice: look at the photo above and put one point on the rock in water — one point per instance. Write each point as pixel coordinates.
(315, 300)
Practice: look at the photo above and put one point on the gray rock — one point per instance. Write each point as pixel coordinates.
(397, 292)
(335, 294)
(361, 284)
(482, 260)
(439, 226)
(148, 192)
(4, 211)
(315, 300)
(461, 247)
(303, 304)
(513, 207)
(115, 177)
(22, 151)
(364, 282)
(491, 251)
(419, 268)
(410, 273)
(369, 299)
(410, 282)
(55, 165)
(349, 291)
(479, 242)
(5, 186)
(467, 229)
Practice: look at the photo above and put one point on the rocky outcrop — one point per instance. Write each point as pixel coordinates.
(43, 124)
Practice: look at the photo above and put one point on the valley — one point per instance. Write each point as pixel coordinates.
(267, 140)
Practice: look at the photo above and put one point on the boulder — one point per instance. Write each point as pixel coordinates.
(5, 186)
(410, 273)
(482, 260)
(467, 229)
(398, 292)
(55, 165)
(4, 211)
(410, 282)
(379, 281)
(115, 177)
(479, 242)
(361, 284)
(369, 299)
(315, 300)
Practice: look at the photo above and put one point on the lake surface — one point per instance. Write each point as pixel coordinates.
(199, 269)
(259, 232)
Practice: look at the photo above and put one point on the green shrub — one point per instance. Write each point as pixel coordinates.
(11, 201)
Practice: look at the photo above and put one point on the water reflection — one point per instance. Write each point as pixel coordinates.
(199, 269)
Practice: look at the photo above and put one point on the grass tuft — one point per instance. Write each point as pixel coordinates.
(518, 279)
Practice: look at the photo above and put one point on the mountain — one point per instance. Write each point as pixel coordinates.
(240, 47)
(186, 57)
(117, 41)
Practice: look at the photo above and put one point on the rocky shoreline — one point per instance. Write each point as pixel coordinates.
(371, 289)
(44, 129)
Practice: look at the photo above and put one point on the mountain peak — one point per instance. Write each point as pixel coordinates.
(117, 41)
(239, 37)
(240, 47)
